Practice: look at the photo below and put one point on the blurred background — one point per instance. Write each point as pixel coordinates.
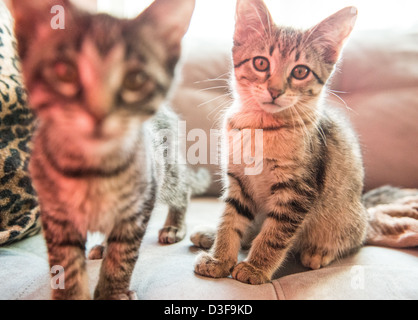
(214, 18)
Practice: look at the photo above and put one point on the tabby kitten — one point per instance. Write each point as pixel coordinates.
(98, 88)
(307, 197)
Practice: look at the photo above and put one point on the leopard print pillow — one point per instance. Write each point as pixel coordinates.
(19, 211)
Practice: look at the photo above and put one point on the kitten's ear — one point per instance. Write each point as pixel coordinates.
(34, 18)
(252, 17)
(333, 32)
(170, 20)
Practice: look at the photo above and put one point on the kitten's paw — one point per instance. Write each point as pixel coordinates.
(128, 295)
(97, 252)
(247, 273)
(204, 238)
(208, 266)
(171, 234)
(316, 260)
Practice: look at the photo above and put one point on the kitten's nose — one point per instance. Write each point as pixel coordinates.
(99, 105)
(275, 93)
(98, 114)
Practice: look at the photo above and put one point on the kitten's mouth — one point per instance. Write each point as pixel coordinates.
(272, 103)
(98, 134)
(105, 130)
(274, 107)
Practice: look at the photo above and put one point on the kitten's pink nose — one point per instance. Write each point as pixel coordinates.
(99, 106)
(275, 93)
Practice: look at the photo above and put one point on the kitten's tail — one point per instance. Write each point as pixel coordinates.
(199, 181)
(393, 217)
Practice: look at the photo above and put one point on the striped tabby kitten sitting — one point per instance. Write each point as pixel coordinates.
(99, 88)
(307, 197)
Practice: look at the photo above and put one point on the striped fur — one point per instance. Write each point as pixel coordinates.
(99, 88)
(307, 197)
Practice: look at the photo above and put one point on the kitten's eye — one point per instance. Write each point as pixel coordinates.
(301, 72)
(134, 81)
(63, 77)
(261, 64)
(66, 72)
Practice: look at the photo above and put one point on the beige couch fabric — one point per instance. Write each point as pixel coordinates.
(166, 272)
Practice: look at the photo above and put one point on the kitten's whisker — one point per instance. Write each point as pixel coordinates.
(338, 91)
(314, 122)
(214, 99)
(308, 139)
(219, 78)
(218, 108)
(293, 120)
(342, 100)
(300, 120)
(213, 88)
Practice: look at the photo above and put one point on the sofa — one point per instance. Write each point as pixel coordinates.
(377, 85)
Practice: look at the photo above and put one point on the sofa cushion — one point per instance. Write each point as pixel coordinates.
(386, 124)
(379, 60)
(373, 273)
(166, 272)
(378, 80)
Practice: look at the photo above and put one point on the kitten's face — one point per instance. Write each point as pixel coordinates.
(100, 77)
(95, 89)
(280, 71)
(278, 68)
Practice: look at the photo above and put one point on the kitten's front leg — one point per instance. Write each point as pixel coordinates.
(174, 229)
(121, 255)
(269, 248)
(224, 254)
(66, 250)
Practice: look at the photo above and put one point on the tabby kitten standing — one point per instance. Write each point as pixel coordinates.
(307, 197)
(98, 88)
